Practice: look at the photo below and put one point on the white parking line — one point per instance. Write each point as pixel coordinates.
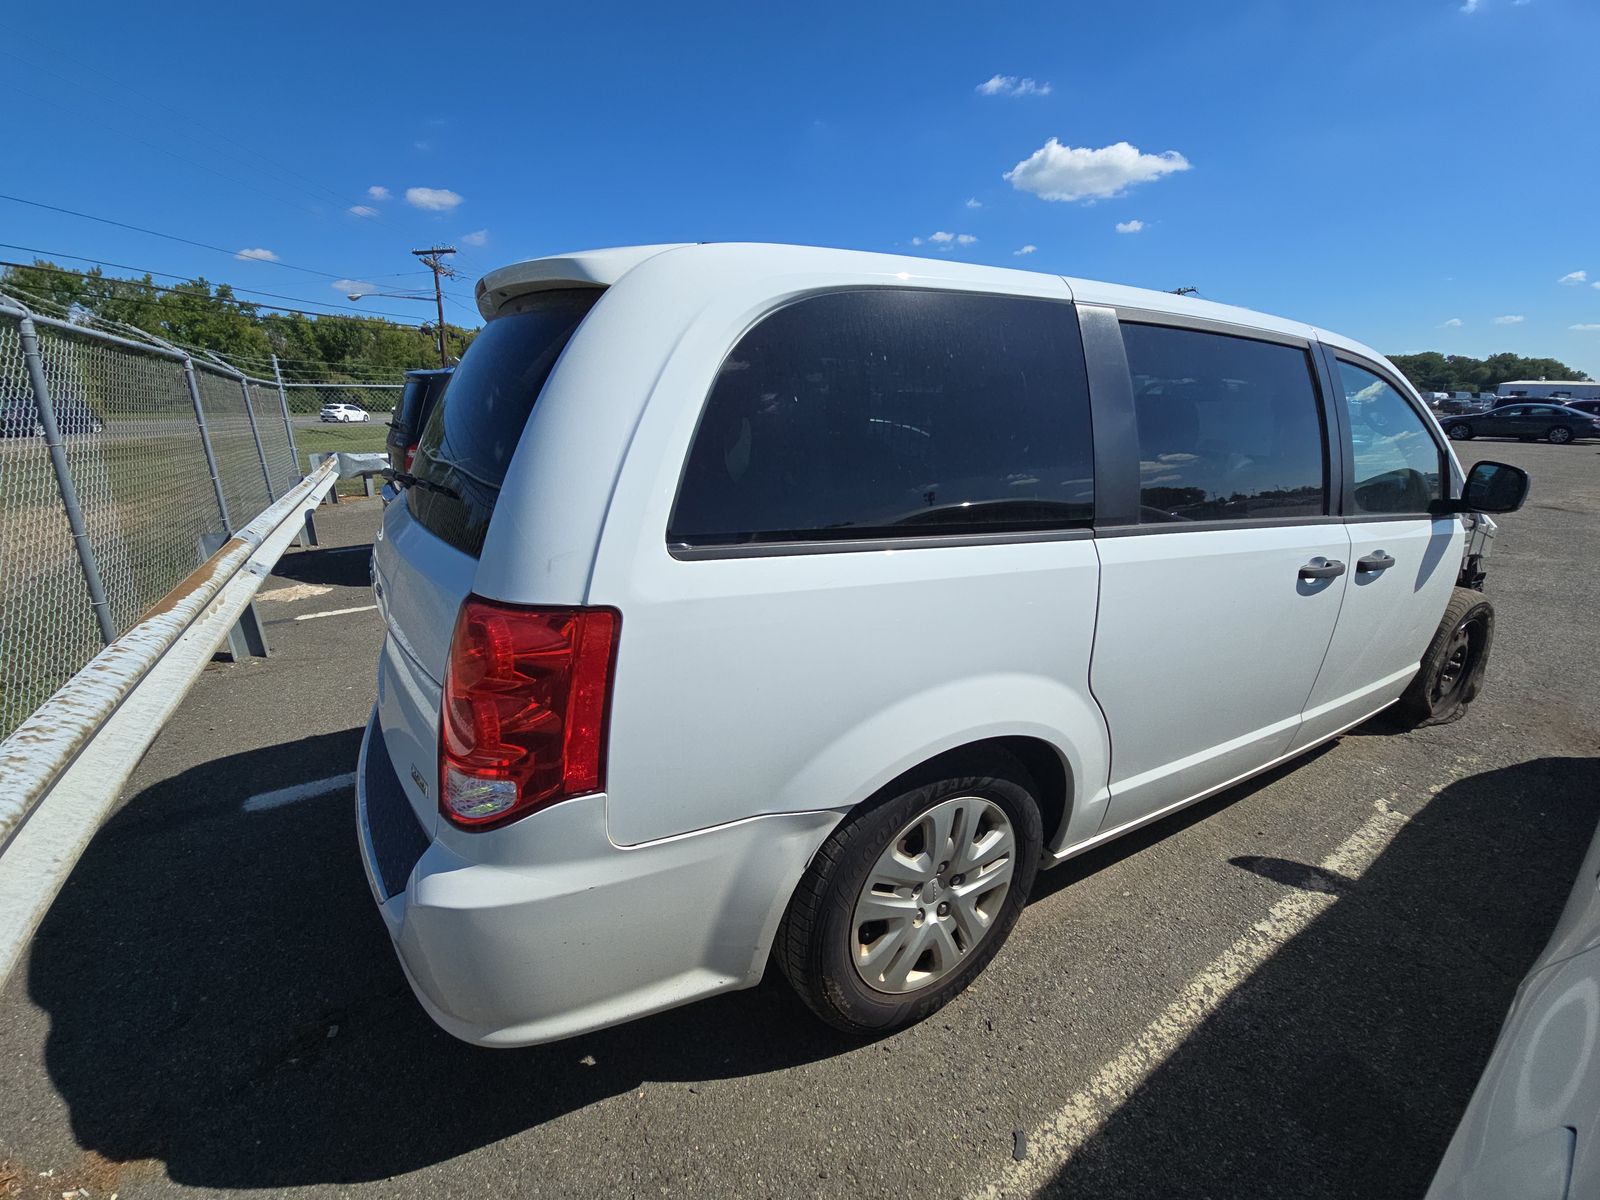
(335, 612)
(1053, 1144)
(295, 591)
(300, 791)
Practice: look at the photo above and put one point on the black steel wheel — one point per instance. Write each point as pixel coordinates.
(1451, 673)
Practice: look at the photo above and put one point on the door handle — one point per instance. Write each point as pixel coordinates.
(1369, 564)
(1322, 568)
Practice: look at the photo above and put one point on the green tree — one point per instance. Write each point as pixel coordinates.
(1431, 371)
(198, 315)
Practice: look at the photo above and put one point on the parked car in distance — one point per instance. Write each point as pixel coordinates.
(1457, 404)
(417, 402)
(767, 604)
(1532, 1127)
(19, 417)
(1557, 423)
(343, 412)
(1592, 407)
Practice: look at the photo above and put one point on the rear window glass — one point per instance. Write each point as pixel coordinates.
(893, 413)
(468, 441)
(1229, 427)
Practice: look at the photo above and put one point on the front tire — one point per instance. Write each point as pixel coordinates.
(1560, 435)
(1451, 674)
(910, 898)
(1459, 431)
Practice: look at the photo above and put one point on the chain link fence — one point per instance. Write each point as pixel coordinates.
(122, 467)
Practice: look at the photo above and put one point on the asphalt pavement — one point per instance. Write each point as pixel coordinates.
(1289, 989)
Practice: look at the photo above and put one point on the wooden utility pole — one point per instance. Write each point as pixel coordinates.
(430, 258)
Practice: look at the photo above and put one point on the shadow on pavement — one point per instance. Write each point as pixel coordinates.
(339, 566)
(223, 997)
(1341, 1066)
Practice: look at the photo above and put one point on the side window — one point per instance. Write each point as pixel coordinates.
(1229, 427)
(893, 412)
(1399, 468)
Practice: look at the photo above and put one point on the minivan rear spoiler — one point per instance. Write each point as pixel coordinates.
(589, 268)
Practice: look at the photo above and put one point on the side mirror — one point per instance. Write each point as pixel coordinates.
(1491, 487)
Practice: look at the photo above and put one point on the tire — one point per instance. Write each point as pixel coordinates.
(1451, 674)
(1459, 431)
(1560, 435)
(819, 944)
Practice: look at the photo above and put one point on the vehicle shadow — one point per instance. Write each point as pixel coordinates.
(223, 997)
(337, 566)
(1340, 1067)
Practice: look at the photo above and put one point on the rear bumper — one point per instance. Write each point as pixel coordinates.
(545, 929)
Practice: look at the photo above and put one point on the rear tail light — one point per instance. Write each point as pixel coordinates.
(527, 692)
(410, 457)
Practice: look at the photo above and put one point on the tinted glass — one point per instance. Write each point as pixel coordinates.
(410, 402)
(468, 441)
(893, 413)
(1229, 428)
(1398, 465)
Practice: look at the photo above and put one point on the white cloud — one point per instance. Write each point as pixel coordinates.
(1010, 85)
(478, 237)
(378, 192)
(1028, 249)
(945, 240)
(363, 210)
(1129, 226)
(974, 202)
(1586, 327)
(353, 287)
(1574, 278)
(256, 254)
(1057, 172)
(1470, 6)
(1595, 284)
(432, 199)
(1510, 320)
(1452, 323)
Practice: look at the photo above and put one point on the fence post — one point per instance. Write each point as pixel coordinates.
(205, 442)
(69, 492)
(288, 425)
(255, 432)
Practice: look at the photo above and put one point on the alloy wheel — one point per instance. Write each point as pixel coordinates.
(933, 895)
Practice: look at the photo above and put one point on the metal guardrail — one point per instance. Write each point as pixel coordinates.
(64, 767)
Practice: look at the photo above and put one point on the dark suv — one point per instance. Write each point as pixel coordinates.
(19, 417)
(417, 402)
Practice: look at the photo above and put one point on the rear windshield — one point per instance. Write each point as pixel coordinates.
(468, 441)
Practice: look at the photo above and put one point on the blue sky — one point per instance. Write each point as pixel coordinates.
(1380, 167)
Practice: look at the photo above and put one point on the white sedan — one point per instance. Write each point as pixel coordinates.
(343, 412)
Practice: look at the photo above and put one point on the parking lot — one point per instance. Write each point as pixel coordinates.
(1288, 989)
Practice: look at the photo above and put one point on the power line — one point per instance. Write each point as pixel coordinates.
(365, 312)
(189, 122)
(171, 237)
(158, 287)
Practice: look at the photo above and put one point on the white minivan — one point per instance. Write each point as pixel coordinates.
(753, 603)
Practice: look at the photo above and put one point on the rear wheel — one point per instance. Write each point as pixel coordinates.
(1451, 673)
(1459, 431)
(1560, 435)
(909, 899)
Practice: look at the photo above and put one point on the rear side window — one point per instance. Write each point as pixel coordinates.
(1398, 465)
(893, 413)
(1229, 427)
(468, 441)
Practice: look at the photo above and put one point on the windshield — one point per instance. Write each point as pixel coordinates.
(468, 442)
